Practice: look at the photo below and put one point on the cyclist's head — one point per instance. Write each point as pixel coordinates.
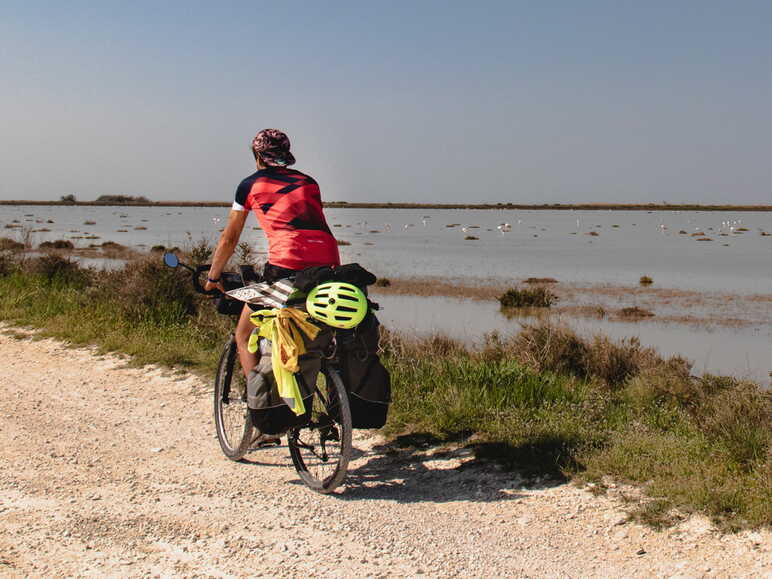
(271, 148)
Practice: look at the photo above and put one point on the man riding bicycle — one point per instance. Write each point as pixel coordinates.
(288, 205)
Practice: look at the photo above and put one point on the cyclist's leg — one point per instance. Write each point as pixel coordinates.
(243, 330)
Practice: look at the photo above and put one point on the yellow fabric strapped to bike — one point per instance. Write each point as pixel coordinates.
(285, 328)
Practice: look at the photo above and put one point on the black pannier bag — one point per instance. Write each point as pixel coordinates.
(270, 414)
(367, 380)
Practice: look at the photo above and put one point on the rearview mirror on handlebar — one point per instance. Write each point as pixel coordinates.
(171, 260)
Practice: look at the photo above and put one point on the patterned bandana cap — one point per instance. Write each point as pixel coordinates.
(273, 147)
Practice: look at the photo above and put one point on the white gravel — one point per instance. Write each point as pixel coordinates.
(107, 470)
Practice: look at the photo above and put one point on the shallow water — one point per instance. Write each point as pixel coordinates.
(401, 242)
(744, 353)
(410, 243)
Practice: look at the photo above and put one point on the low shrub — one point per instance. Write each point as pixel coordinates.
(8, 264)
(146, 290)
(57, 244)
(536, 297)
(58, 270)
(646, 280)
(539, 280)
(551, 348)
(8, 244)
(635, 313)
(739, 419)
(112, 246)
(556, 348)
(382, 282)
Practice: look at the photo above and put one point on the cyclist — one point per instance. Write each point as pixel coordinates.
(288, 205)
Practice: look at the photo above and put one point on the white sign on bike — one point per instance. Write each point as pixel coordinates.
(272, 295)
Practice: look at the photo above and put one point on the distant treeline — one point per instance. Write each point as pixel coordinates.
(143, 202)
(105, 200)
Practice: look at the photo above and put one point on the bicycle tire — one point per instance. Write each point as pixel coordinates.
(232, 418)
(330, 423)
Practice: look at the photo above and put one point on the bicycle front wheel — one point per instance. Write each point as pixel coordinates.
(231, 414)
(321, 449)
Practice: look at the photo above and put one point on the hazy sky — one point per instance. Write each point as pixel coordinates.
(398, 101)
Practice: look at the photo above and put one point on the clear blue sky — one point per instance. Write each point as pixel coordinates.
(396, 101)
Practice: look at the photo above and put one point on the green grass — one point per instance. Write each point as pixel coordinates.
(545, 402)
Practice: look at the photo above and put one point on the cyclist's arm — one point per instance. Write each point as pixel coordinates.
(227, 244)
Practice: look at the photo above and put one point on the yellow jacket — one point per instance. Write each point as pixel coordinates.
(284, 328)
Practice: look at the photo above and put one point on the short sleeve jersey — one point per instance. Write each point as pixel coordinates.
(288, 205)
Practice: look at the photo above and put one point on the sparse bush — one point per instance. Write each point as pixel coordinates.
(201, 252)
(383, 282)
(536, 297)
(645, 280)
(245, 254)
(539, 280)
(342, 242)
(70, 199)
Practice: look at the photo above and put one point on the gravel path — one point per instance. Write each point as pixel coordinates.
(107, 470)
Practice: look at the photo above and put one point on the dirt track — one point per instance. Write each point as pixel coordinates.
(112, 471)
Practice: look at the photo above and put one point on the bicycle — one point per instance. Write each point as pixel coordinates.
(320, 447)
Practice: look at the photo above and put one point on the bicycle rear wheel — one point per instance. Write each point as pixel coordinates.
(231, 414)
(321, 449)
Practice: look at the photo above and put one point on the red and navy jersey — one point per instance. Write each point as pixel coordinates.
(288, 205)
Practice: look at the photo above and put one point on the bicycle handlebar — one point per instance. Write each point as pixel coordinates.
(197, 281)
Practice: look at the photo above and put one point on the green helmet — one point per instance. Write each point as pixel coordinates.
(337, 304)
